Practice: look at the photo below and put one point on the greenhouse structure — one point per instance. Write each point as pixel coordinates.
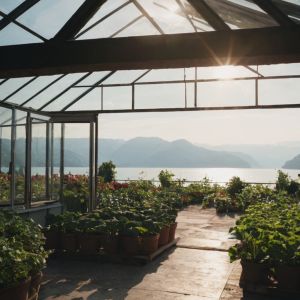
(70, 66)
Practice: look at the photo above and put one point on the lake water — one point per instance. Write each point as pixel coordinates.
(192, 174)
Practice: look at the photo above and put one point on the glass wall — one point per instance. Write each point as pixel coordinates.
(5, 155)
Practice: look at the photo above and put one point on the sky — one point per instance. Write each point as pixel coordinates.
(206, 127)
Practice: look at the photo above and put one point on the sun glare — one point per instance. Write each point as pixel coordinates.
(226, 72)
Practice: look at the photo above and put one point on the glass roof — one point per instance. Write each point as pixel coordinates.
(123, 18)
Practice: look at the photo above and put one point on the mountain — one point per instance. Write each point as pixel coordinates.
(294, 163)
(137, 152)
(266, 156)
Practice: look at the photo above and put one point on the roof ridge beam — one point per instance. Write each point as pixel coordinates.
(212, 18)
(79, 19)
(273, 11)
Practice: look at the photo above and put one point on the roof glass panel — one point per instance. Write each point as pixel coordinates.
(31, 89)
(65, 99)
(280, 69)
(11, 85)
(107, 9)
(13, 35)
(48, 16)
(290, 8)
(124, 76)
(92, 101)
(168, 15)
(241, 14)
(54, 90)
(7, 6)
(109, 27)
(93, 78)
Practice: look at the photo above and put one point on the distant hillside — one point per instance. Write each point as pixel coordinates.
(266, 156)
(294, 163)
(137, 152)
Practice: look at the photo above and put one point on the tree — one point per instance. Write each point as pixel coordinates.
(107, 171)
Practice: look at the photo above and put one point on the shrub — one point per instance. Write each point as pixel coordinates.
(235, 186)
(107, 171)
(166, 178)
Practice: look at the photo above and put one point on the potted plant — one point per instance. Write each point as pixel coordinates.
(69, 231)
(149, 236)
(91, 229)
(130, 236)
(110, 239)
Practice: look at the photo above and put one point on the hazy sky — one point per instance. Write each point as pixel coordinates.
(209, 127)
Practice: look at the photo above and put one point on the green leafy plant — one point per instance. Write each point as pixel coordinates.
(107, 171)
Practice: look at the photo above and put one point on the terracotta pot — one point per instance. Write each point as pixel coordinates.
(149, 244)
(164, 236)
(255, 273)
(130, 244)
(172, 232)
(18, 292)
(288, 277)
(35, 284)
(89, 243)
(110, 244)
(69, 242)
(52, 240)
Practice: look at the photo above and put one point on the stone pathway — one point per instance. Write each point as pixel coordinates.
(197, 269)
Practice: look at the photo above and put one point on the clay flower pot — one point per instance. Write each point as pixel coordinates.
(130, 244)
(17, 292)
(288, 277)
(35, 284)
(255, 273)
(69, 242)
(149, 244)
(172, 232)
(89, 243)
(164, 236)
(52, 240)
(110, 244)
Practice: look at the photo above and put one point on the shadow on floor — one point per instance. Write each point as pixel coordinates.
(78, 280)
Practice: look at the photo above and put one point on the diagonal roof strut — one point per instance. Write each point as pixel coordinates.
(276, 13)
(79, 19)
(17, 12)
(212, 18)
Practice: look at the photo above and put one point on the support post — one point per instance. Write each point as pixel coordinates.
(27, 189)
(0, 149)
(47, 173)
(62, 162)
(96, 158)
(91, 167)
(51, 159)
(13, 159)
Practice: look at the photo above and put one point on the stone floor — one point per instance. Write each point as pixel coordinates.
(197, 269)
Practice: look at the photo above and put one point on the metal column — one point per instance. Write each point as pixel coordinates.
(27, 190)
(62, 162)
(96, 159)
(47, 160)
(92, 195)
(13, 158)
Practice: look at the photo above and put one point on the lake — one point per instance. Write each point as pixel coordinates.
(219, 175)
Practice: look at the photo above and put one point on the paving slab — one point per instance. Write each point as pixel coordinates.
(189, 271)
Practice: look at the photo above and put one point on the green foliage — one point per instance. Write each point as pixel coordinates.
(107, 171)
(166, 178)
(235, 186)
(285, 184)
(269, 232)
(21, 249)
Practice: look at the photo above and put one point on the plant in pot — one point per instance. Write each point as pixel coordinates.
(52, 232)
(149, 236)
(91, 230)
(130, 235)
(110, 239)
(14, 271)
(22, 257)
(69, 232)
